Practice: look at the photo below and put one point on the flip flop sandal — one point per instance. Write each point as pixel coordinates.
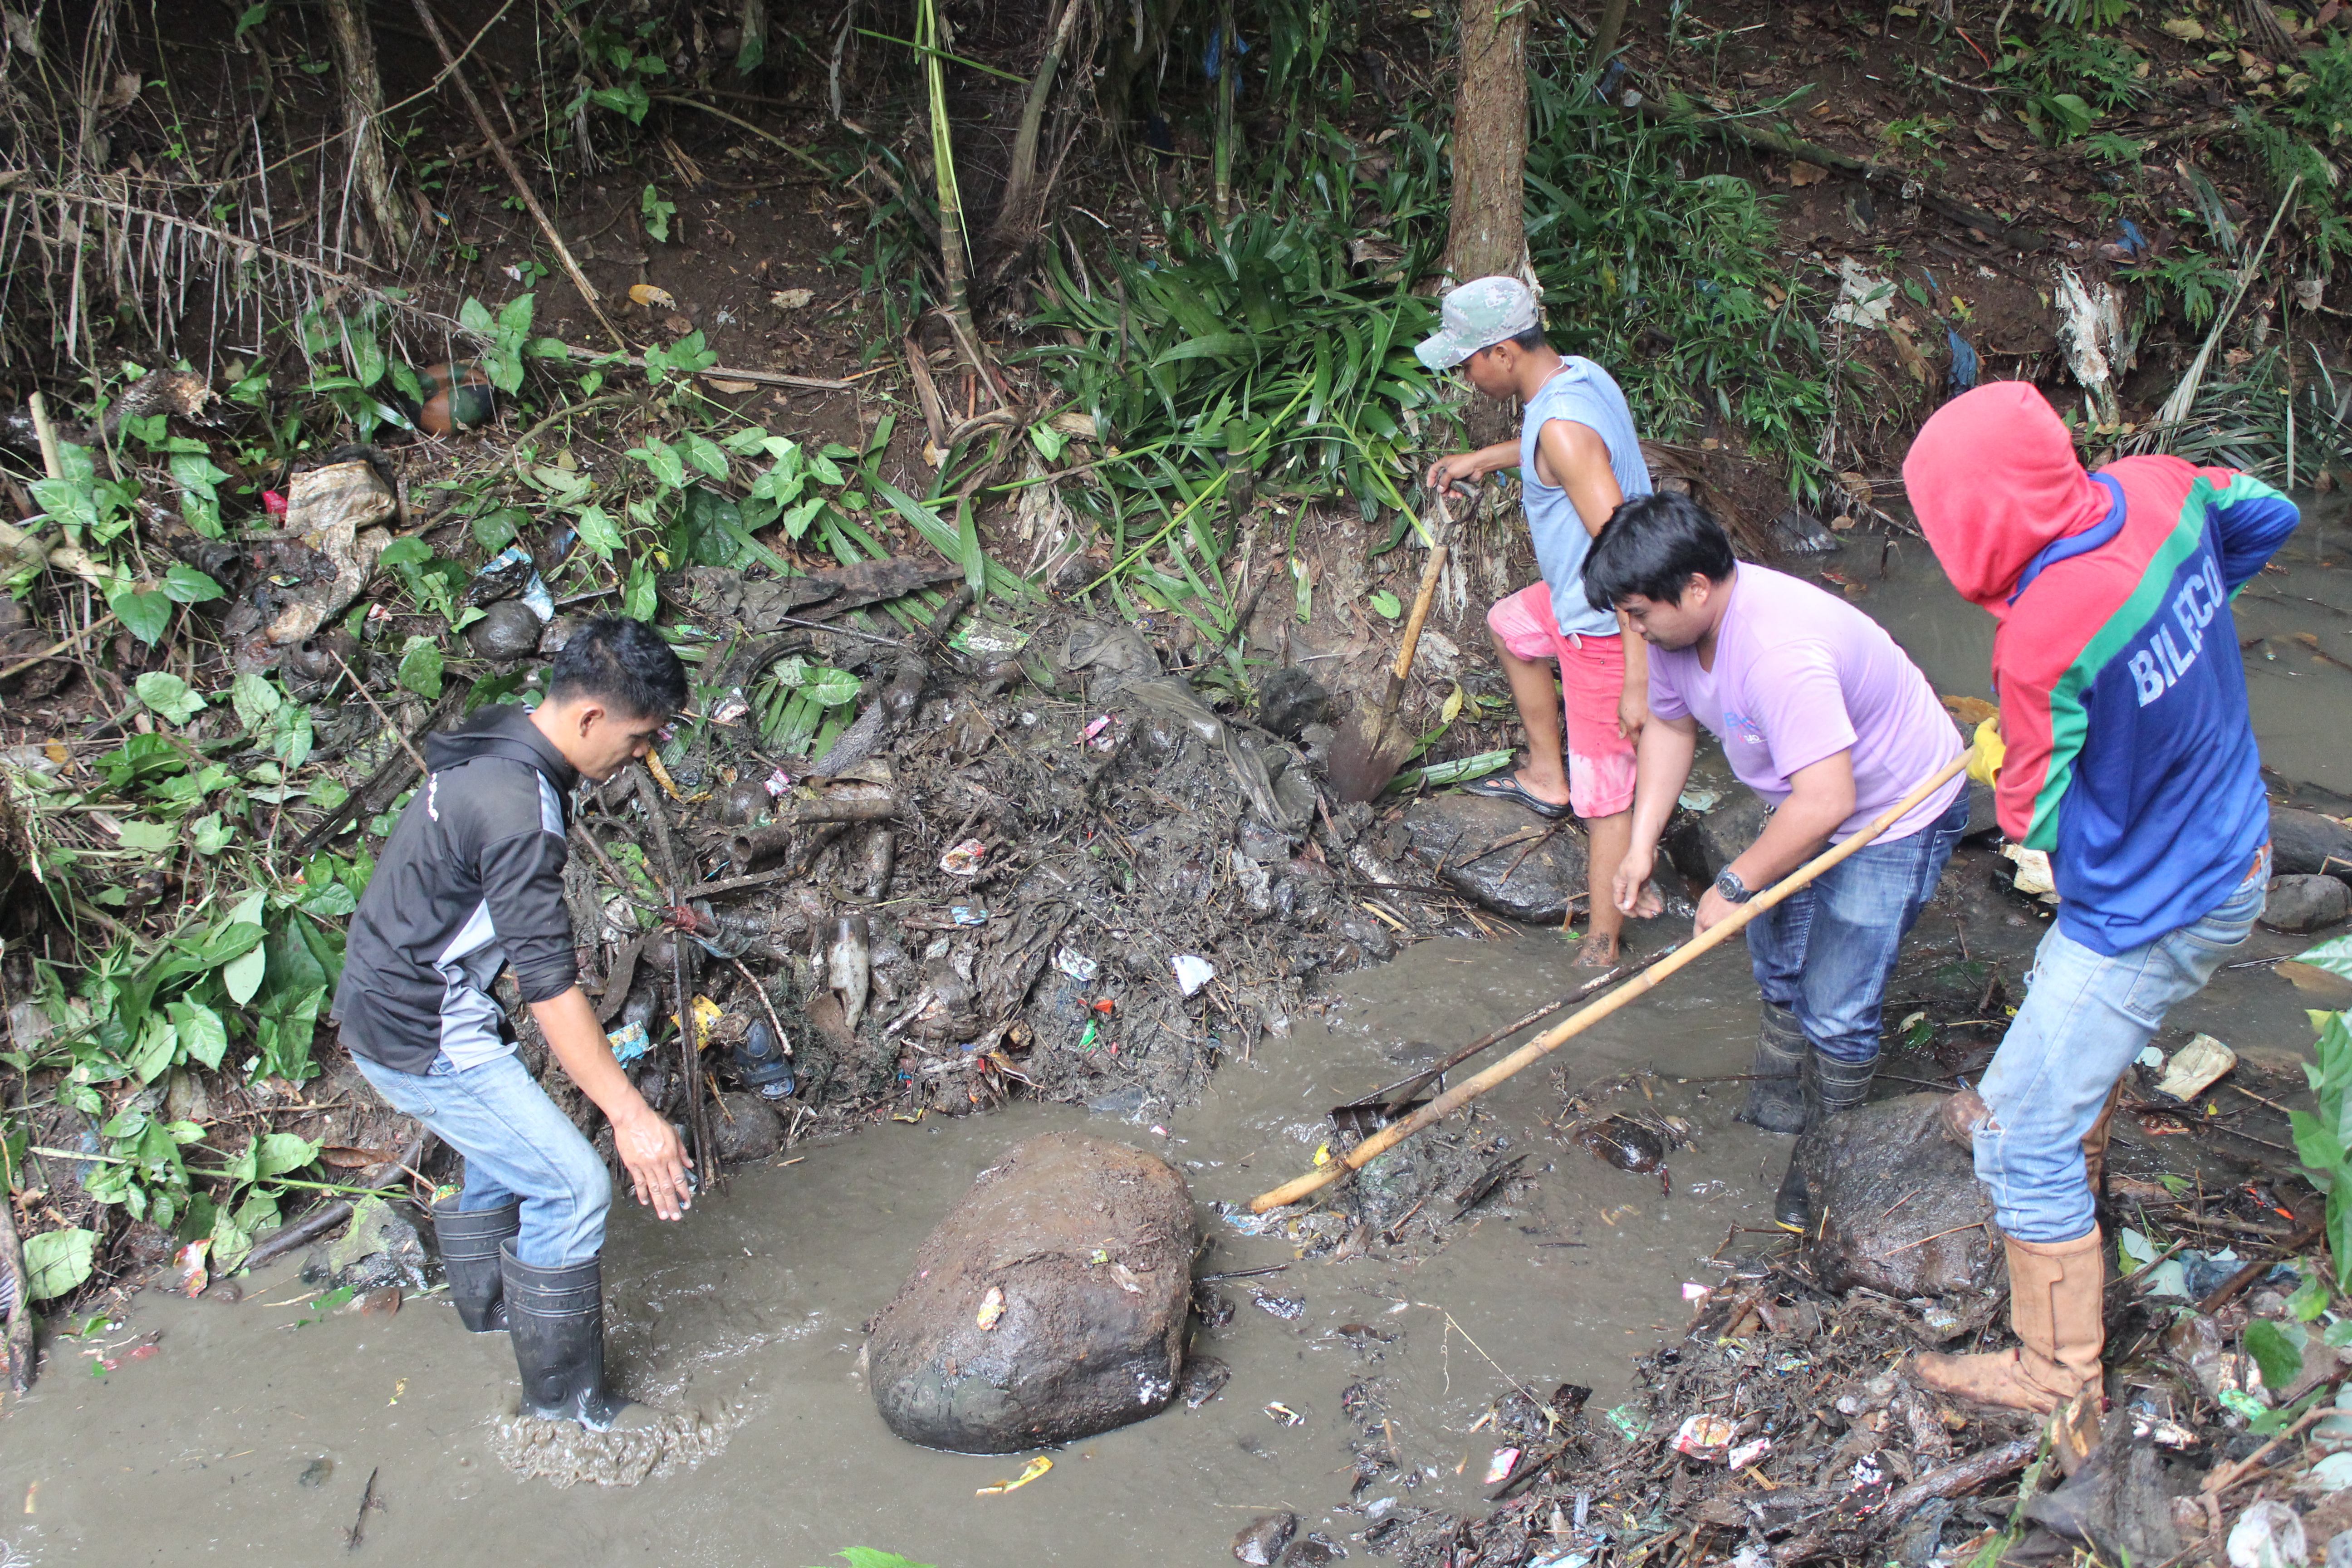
(1504, 786)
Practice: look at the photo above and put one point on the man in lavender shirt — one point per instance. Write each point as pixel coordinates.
(1824, 717)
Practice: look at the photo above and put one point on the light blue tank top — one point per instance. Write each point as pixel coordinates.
(1586, 393)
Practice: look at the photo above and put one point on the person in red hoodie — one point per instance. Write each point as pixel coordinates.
(2131, 762)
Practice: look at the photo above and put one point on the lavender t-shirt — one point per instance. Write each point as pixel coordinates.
(1800, 674)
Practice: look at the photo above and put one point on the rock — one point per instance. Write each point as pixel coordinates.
(379, 1248)
(2307, 903)
(1982, 819)
(508, 629)
(1290, 700)
(1706, 842)
(1261, 1541)
(1887, 1178)
(1799, 533)
(1080, 1346)
(1464, 837)
(2305, 844)
(747, 1128)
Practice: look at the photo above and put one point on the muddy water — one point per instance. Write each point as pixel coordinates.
(251, 1432)
(750, 1310)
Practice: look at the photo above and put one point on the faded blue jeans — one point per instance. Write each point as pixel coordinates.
(1827, 951)
(516, 1145)
(2085, 1017)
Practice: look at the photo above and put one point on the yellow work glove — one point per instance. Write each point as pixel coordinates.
(1985, 756)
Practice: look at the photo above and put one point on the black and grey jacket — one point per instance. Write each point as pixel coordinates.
(470, 881)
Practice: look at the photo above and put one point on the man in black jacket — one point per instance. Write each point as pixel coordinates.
(471, 882)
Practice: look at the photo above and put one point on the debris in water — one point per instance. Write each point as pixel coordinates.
(1204, 1377)
(1030, 1472)
(1287, 1308)
(1499, 1467)
(964, 860)
(1702, 1437)
(1075, 965)
(1284, 1414)
(1625, 1143)
(992, 1307)
(1261, 1541)
(316, 1472)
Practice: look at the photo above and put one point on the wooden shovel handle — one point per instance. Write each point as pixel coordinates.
(1714, 936)
(1439, 543)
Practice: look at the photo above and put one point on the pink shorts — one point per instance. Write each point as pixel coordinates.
(1591, 680)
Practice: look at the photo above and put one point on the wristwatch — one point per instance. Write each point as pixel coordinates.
(1727, 883)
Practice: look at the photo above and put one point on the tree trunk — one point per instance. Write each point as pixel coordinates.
(1605, 37)
(354, 48)
(1488, 234)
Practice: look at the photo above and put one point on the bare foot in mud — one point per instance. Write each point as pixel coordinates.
(1599, 949)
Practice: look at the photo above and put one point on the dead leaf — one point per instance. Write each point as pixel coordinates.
(792, 298)
(1970, 711)
(1804, 173)
(680, 325)
(122, 93)
(652, 298)
(1906, 352)
(2186, 29)
(718, 385)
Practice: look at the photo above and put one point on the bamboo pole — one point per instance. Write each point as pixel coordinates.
(1551, 1040)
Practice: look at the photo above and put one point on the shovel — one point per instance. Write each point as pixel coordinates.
(1364, 759)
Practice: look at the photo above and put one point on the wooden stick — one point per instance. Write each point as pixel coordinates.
(47, 433)
(1544, 1044)
(60, 646)
(514, 173)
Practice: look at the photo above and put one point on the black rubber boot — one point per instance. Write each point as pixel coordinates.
(557, 1319)
(469, 1240)
(1832, 1088)
(1776, 1098)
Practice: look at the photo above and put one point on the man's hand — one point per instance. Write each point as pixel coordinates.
(656, 1161)
(1456, 467)
(1633, 713)
(1632, 878)
(1713, 909)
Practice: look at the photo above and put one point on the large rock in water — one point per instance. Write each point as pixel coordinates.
(2305, 844)
(2307, 903)
(1085, 1246)
(1496, 852)
(1899, 1205)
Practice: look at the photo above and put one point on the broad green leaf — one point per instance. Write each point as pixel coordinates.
(475, 317)
(202, 1033)
(662, 462)
(209, 833)
(1386, 603)
(168, 696)
(597, 532)
(2280, 1359)
(410, 552)
(241, 977)
(183, 584)
(420, 668)
(640, 598)
(159, 1042)
(254, 698)
(58, 1261)
(149, 837)
(278, 1153)
(145, 615)
(832, 688)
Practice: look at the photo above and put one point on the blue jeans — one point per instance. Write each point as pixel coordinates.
(1827, 952)
(516, 1145)
(2085, 1017)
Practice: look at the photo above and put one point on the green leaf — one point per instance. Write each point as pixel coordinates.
(150, 837)
(640, 598)
(278, 1153)
(201, 1033)
(475, 317)
(241, 977)
(420, 668)
(598, 531)
(144, 615)
(657, 214)
(1386, 603)
(662, 462)
(254, 698)
(159, 1042)
(183, 584)
(2311, 1297)
(832, 688)
(2278, 1357)
(58, 1261)
(209, 835)
(168, 696)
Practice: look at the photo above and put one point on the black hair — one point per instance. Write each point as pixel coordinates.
(624, 662)
(1533, 338)
(1650, 546)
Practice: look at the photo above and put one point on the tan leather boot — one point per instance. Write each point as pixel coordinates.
(2055, 1307)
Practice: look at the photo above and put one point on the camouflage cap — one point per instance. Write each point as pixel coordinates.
(1479, 314)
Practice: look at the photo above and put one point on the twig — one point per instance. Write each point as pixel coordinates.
(367, 1498)
(514, 173)
(1972, 1224)
(2222, 1480)
(56, 648)
(386, 719)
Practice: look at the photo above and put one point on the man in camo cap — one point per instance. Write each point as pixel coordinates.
(1578, 457)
